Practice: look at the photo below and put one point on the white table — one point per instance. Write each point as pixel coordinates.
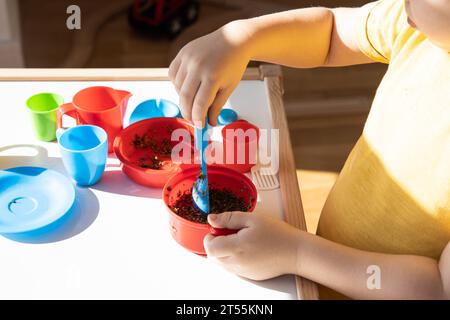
(117, 244)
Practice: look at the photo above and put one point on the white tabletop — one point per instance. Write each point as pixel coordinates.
(117, 244)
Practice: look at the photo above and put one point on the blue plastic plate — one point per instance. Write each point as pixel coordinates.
(155, 108)
(32, 198)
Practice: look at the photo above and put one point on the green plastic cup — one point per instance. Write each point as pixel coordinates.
(43, 107)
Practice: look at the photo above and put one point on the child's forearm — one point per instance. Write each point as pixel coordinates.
(297, 38)
(353, 272)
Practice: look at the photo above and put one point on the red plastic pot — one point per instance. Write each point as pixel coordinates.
(190, 234)
(160, 128)
(101, 106)
(240, 153)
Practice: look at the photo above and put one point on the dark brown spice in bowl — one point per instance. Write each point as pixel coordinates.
(150, 163)
(221, 200)
(155, 151)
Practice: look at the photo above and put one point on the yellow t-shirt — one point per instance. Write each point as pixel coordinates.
(393, 194)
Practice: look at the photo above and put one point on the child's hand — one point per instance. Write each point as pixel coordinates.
(263, 248)
(206, 71)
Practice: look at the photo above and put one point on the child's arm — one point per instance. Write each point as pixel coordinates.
(252, 254)
(306, 38)
(207, 70)
(352, 272)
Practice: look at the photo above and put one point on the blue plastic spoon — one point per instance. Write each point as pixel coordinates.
(200, 192)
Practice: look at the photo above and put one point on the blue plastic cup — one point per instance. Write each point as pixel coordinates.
(84, 150)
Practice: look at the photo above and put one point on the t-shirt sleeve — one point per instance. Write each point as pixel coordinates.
(379, 25)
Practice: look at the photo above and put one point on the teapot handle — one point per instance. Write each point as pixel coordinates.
(65, 109)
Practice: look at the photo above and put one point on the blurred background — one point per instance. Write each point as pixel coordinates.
(326, 107)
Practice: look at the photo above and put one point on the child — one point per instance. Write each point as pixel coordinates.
(389, 211)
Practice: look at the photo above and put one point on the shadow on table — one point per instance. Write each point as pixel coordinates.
(285, 283)
(82, 214)
(115, 181)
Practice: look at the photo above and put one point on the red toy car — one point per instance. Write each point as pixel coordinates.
(169, 16)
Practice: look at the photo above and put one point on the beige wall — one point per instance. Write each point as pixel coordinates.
(5, 30)
(10, 43)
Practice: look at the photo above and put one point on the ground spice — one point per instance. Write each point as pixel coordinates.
(220, 200)
(165, 148)
(144, 142)
(150, 163)
(155, 150)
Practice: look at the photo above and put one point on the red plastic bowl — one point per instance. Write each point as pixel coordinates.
(160, 128)
(190, 234)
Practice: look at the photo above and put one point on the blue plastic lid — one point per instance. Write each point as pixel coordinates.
(226, 116)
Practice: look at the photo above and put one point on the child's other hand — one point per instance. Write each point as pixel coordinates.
(206, 71)
(263, 248)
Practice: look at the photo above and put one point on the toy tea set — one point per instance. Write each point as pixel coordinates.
(34, 199)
